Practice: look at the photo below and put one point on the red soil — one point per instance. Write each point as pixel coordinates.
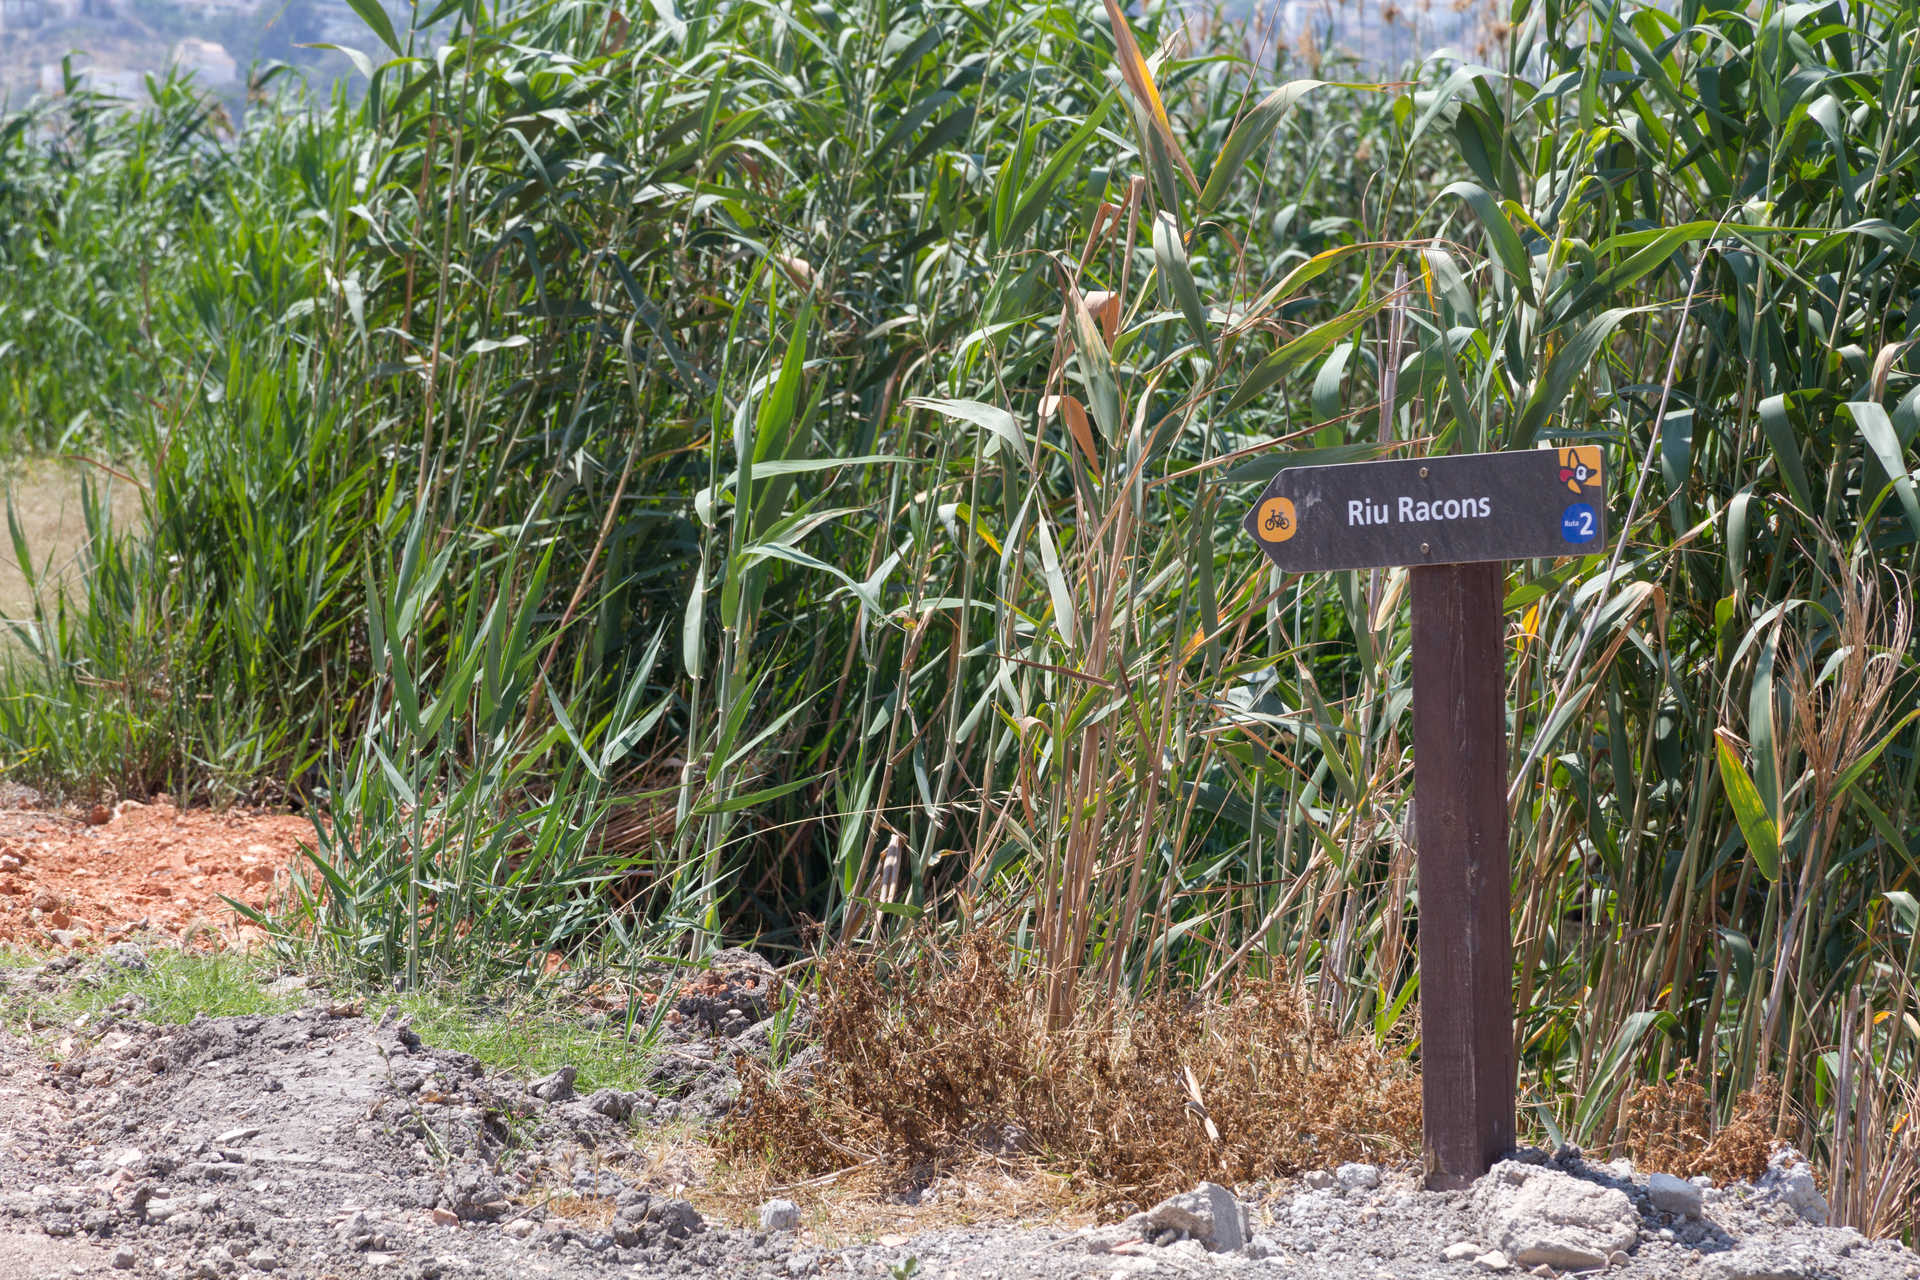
(69, 879)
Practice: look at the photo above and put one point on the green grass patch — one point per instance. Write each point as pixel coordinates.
(172, 988)
(525, 1032)
(532, 1034)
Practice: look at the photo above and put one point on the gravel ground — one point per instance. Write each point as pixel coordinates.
(323, 1144)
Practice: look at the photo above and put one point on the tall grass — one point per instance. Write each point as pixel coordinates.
(669, 476)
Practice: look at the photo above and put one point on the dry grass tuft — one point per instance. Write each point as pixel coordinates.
(931, 1062)
(1669, 1130)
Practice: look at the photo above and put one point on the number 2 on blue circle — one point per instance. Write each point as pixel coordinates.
(1579, 523)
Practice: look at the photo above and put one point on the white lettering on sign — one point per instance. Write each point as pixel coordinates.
(1450, 509)
(1415, 511)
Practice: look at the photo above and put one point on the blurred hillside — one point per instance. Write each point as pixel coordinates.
(1383, 36)
(118, 43)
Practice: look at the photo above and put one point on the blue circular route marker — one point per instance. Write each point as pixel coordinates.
(1579, 523)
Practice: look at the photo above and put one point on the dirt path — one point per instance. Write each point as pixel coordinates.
(45, 496)
(322, 1144)
(30, 1111)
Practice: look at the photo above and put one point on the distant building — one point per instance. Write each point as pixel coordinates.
(205, 61)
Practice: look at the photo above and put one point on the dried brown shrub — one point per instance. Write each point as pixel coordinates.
(933, 1062)
(1669, 1130)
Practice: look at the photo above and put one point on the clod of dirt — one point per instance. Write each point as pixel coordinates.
(723, 1015)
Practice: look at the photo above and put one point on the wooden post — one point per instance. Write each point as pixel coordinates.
(1460, 834)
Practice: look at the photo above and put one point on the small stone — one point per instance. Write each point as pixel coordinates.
(1357, 1177)
(1493, 1261)
(802, 1264)
(1543, 1270)
(445, 1218)
(1461, 1251)
(161, 1210)
(611, 1103)
(1320, 1179)
(1674, 1195)
(1618, 1258)
(123, 1259)
(779, 1215)
(263, 1259)
(557, 1087)
(1208, 1214)
(520, 1228)
(234, 1137)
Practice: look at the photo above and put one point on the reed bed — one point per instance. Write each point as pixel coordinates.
(725, 470)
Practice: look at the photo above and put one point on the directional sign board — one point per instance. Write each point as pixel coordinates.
(1452, 519)
(1519, 505)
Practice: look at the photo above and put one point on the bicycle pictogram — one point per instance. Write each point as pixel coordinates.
(1275, 520)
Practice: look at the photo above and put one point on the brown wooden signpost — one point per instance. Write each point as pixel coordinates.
(1453, 519)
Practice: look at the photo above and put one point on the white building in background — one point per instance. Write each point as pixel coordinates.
(208, 62)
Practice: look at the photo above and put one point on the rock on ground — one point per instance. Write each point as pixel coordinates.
(1674, 1195)
(1208, 1214)
(1789, 1180)
(1539, 1216)
(1357, 1177)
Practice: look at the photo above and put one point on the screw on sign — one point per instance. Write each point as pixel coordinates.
(1454, 519)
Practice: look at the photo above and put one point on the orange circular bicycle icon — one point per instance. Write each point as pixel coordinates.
(1276, 521)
